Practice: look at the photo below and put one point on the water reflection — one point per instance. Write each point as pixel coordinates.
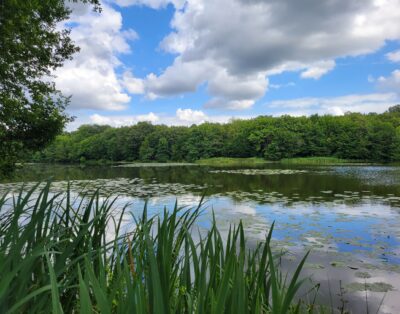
(348, 216)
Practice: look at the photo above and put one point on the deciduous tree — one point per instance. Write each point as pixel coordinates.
(31, 47)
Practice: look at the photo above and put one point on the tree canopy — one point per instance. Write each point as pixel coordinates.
(356, 136)
(32, 46)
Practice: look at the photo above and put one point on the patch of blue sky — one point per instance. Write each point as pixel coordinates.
(152, 26)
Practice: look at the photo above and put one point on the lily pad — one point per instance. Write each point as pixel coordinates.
(313, 266)
(373, 287)
(362, 274)
(260, 171)
(337, 264)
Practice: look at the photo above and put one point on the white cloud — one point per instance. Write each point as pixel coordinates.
(335, 105)
(318, 69)
(229, 91)
(279, 86)
(130, 34)
(132, 84)
(118, 121)
(191, 116)
(394, 56)
(230, 46)
(91, 76)
(217, 103)
(182, 117)
(246, 40)
(179, 78)
(390, 83)
(224, 85)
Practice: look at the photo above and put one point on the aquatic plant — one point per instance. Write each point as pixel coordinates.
(56, 256)
(232, 162)
(266, 172)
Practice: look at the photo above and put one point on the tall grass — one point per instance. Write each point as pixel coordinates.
(233, 162)
(55, 258)
(318, 161)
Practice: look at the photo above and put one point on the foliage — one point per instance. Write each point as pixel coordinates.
(32, 46)
(354, 136)
(56, 256)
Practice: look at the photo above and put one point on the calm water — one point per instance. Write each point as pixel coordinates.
(348, 216)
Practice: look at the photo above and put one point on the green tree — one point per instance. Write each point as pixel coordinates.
(146, 152)
(394, 109)
(382, 140)
(163, 152)
(396, 146)
(352, 136)
(136, 136)
(237, 142)
(32, 46)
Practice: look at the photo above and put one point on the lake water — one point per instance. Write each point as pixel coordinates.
(348, 216)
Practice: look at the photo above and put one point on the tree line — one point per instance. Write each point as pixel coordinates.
(374, 137)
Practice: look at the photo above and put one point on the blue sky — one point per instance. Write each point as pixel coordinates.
(180, 62)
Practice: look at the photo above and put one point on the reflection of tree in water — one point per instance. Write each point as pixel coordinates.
(298, 185)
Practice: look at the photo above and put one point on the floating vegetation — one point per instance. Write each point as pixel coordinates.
(363, 274)
(313, 266)
(154, 164)
(328, 199)
(337, 264)
(265, 172)
(118, 186)
(365, 286)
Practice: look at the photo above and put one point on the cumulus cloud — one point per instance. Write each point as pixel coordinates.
(130, 34)
(232, 87)
(366, 103)
(180, 77)
(244, 41)
(191, 116)
(390, 83)
(394, 56)
(118, 121)
(91, 76)
(182, 117)
(132, 84)
(318, 69)
(218, 103)
(231, 47)
(229, 91)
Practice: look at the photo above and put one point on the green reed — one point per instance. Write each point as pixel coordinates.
(55, 258)
(232, 162)
(319, 161)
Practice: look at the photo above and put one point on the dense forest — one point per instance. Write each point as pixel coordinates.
(374, 137)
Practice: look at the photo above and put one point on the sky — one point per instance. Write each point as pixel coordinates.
(183, 62)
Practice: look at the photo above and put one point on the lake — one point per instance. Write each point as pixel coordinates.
(348, 216)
